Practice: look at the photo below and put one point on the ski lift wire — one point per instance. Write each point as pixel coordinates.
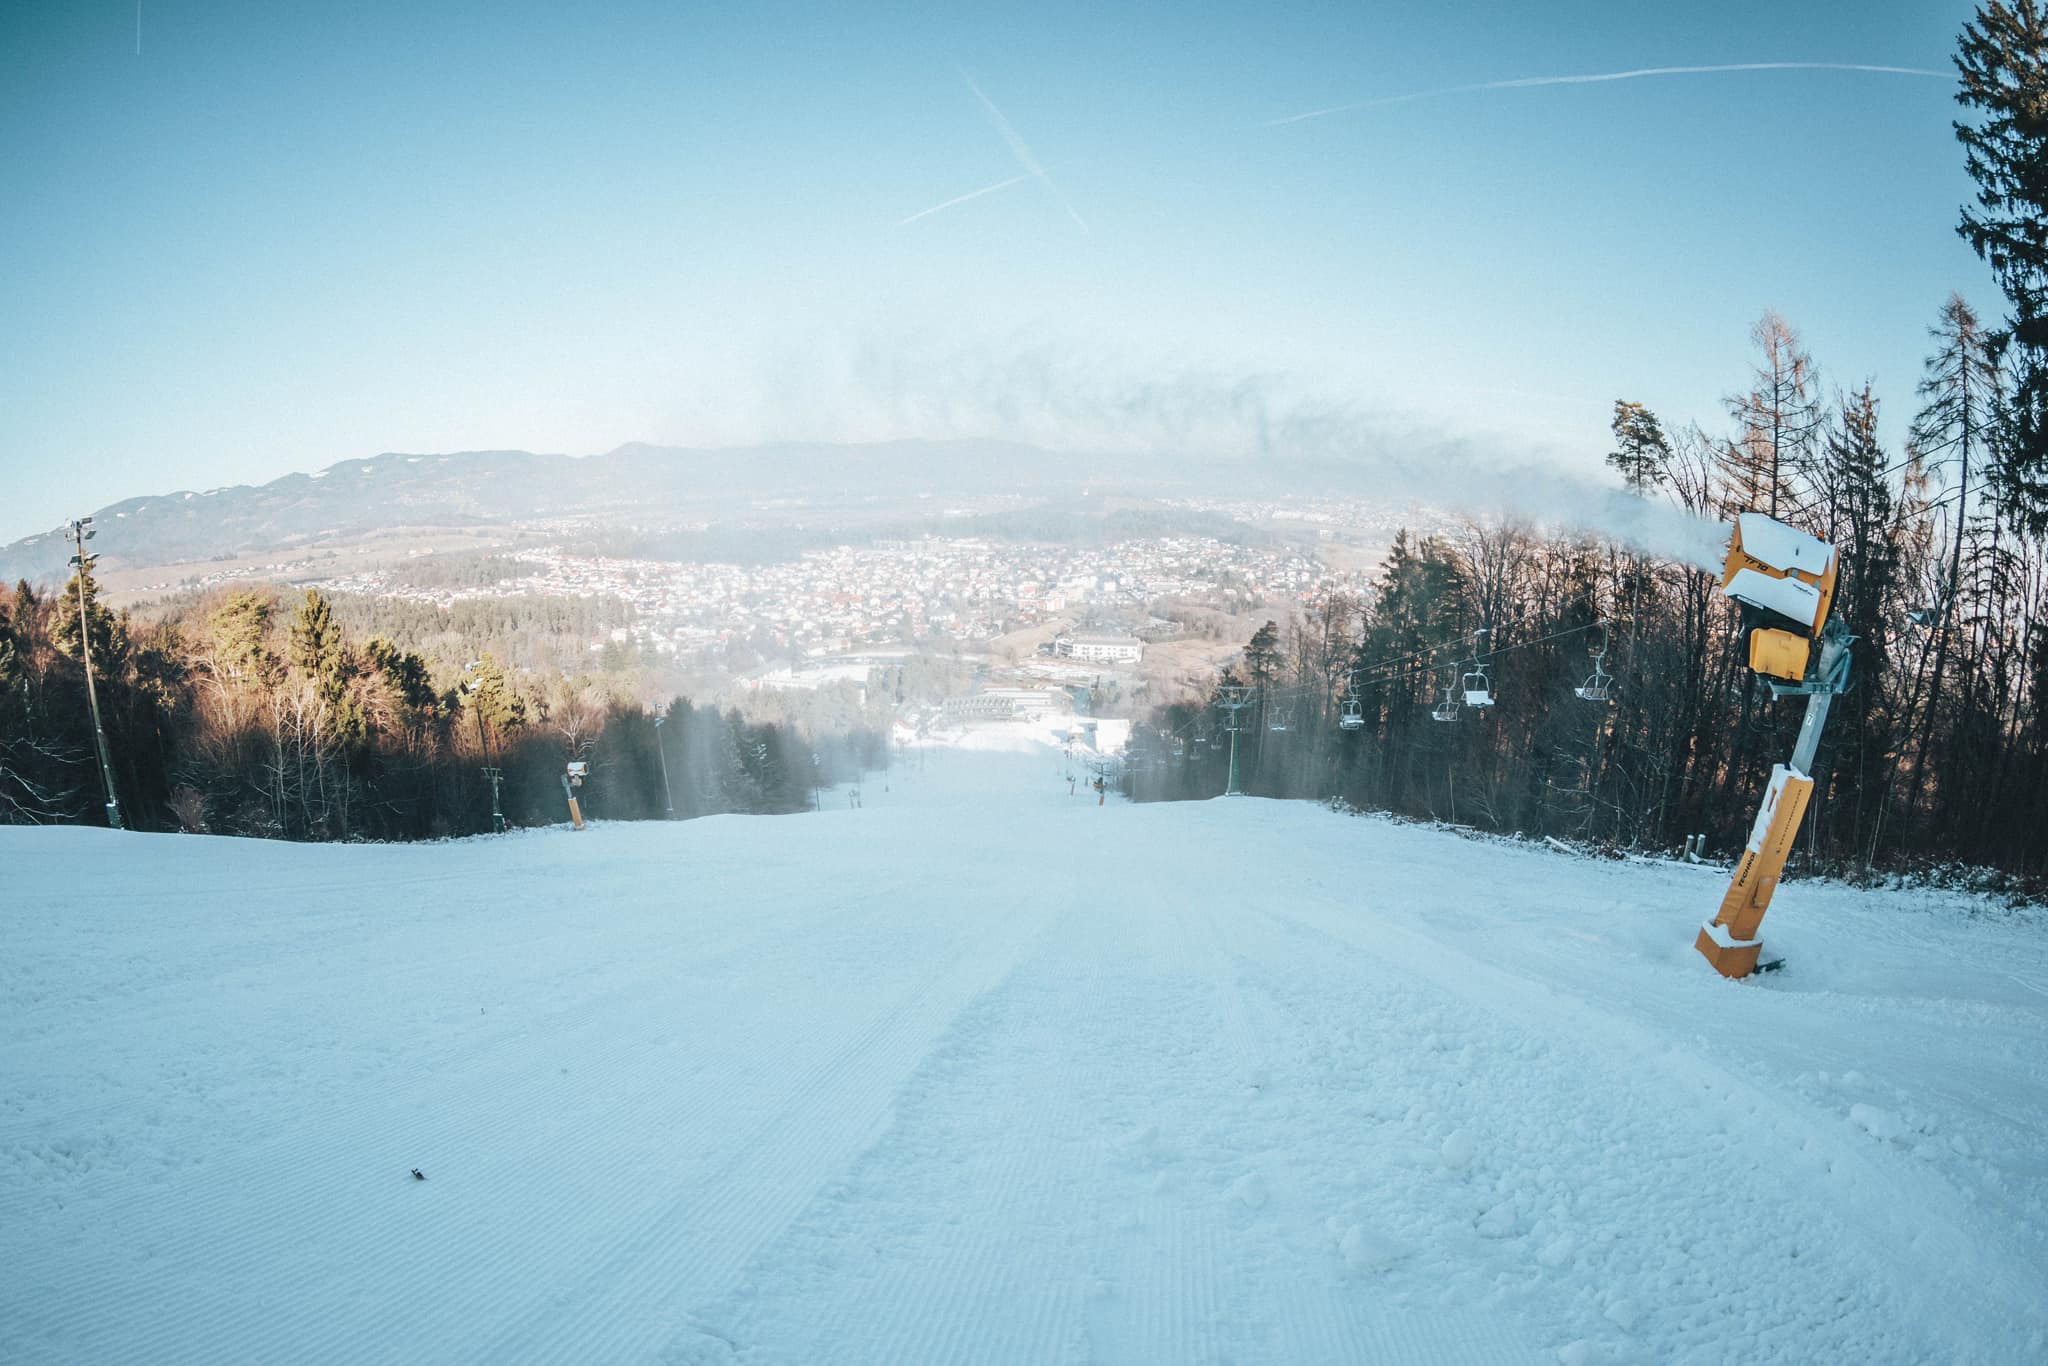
(1388, 668)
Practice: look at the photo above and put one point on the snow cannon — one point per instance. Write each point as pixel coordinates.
(1785, 582)
(572, 779)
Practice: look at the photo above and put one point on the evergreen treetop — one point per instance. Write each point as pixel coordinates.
(2002, 62)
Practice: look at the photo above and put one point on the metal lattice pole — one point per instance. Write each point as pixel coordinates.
(667, 797)
(81, 532)
(1233, 698)
(496, 776)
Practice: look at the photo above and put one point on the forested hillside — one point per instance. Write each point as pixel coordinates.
(252, 716)
(1939, 753)
(1620, 708)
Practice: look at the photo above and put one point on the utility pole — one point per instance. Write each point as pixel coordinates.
(1233, 699)
(496, 776)
(667, 797)
(81, 532)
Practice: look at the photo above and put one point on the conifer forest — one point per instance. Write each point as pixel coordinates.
(1622, 713)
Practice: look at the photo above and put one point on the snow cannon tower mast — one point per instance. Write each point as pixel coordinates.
(1785, 583)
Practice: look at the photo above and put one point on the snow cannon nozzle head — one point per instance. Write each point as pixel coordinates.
(1783, 574)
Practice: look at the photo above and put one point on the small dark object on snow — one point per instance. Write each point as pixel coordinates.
(418, 1175)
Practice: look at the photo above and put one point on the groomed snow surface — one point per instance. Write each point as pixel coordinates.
(983, 1072)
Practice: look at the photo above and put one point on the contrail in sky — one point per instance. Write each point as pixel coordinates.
(962, 199)
(1034, 169)
(1596, 77)
(1022, 151)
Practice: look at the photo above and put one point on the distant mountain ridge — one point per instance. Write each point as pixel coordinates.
(481, 488)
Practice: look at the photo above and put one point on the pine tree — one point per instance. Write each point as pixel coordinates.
(1865, 526)
(1955, 429)
(320, 653)
(1768, 466)
(1858, 473)
(1641, 450)
(318, 650)
(240, 628)
(2002, 59)
(408, 680)
(108, 635)
(1411, 645)
(1263, 661)
(1950, 436)
(1262, 657)
(10, 657)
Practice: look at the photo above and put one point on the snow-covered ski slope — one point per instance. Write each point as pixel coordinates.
(982, 1072)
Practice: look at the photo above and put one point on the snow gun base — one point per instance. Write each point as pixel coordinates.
(1730, 957)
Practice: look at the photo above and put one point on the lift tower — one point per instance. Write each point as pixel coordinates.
(81, 532)
(1785, 583)
(1233, 698)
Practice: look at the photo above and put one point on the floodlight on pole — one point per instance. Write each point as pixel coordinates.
(667, 797)
(81, 532)
(471, 687)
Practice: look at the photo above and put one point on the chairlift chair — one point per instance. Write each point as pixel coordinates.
(1446, 710)
(1595, 688)
(1930, 613)
(1478, 687)
(1353, 715)
(1280, 719)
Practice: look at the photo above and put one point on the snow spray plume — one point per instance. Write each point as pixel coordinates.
(1253, 435)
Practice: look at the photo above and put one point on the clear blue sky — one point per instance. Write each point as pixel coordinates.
(286, 234)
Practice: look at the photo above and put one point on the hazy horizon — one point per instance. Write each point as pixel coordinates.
(254, 242)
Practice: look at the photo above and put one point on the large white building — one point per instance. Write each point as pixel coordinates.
(1100, 649)
(1003, 704)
